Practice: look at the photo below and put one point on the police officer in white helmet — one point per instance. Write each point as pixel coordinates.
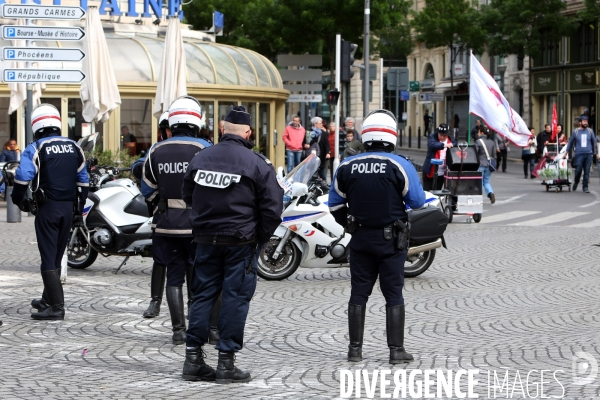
(162, 177)
(369, 195)
(55, 166)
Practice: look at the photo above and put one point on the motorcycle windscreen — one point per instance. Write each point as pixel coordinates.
(426, 225)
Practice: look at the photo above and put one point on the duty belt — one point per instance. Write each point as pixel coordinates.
(179, 204)
(223, 240)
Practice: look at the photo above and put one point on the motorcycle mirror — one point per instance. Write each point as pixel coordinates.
(299, 189)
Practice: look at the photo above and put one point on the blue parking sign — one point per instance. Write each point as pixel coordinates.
(10, 54)
(10, 75)
(10, 32)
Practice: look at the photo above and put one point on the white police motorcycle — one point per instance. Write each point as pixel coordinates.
(309, 236)
(116, 220)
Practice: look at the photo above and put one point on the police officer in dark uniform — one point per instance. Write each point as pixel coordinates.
(163, 172)
(236, 206)
(56, 165)
(368, 197)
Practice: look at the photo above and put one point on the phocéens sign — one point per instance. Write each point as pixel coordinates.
(152, 8)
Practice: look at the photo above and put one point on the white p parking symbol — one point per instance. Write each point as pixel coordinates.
(10, 54)
(11, 32)
(10, 76)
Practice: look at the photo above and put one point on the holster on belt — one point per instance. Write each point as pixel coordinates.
(162, 206)
(351, 224)
(402, 234)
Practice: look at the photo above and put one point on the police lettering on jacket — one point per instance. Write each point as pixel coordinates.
(162, 177)
(216, 179)
(60, 148)
(369, 168)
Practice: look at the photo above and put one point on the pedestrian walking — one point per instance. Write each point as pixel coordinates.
(319, 143)
(426, 122)
(583, 141)
(528, 155)
(541, 140)
(437, 144)
(502, 147)
(486, 148)
(369, 197)
(56, 166)
(236, 206)
(293, 137)
(172, 240)
(10, 152)
(349, 124)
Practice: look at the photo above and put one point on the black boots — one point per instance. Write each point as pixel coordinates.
(395, 335)
(175, 301)
(157, 287)
(227, 372)
(56, 299)
(356, 329)
(42, 304)
(194, 367)
(213, 336)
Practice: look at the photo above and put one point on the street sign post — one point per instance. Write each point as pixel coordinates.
(309, 98)
(38, 11)
(35, 75)
(62, 33)
(41, 54)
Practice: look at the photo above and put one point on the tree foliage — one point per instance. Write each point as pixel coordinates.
(520, 26)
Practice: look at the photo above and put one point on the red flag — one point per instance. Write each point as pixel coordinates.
(554, 123)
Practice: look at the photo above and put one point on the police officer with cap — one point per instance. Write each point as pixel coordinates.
(159, 270)
(163, 172)
(60, 183)
(369, 196)
(236, 206)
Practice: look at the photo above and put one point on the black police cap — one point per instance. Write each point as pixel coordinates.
(238, 116)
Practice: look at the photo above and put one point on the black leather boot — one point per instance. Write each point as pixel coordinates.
(214, 336)
(194, 367)
(157, 288)
(42, 304)
(56, 298)
(175, 301)
(395, 335)
(189, 277)
(227, 371)
(356, 330)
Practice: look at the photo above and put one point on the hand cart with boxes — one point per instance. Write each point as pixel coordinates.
(554, 171)
(463, 192)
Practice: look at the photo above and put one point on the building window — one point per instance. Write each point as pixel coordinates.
(549, 52)
(263, 129)
(77, 127)
(588, 44)
(520, 62)
(136, 125)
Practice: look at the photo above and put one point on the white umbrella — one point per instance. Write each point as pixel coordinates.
(99, 91)
(172, 78)
(18, 91)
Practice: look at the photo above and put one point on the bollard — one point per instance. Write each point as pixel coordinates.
(419, 137)
(409, 136)
(13, 214)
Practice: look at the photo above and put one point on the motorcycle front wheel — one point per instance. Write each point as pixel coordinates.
(416, 264)
(80, 254)
(286, 264)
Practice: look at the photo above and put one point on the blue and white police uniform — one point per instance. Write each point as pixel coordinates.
(56, 167)
(375, 187)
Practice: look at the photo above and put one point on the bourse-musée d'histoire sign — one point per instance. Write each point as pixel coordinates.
(113, 7)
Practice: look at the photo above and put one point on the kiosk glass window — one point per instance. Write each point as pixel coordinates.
(208, 117)
(224, 108)
(264, 118)
(77, 127)
(251, 108)
(136, 125)
(8, 123)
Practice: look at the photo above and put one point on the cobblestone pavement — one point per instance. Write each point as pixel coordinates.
(501, 297)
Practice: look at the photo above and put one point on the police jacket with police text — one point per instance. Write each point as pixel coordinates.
(374, 187)
(162, 177)
(58, 163)
(233, 192)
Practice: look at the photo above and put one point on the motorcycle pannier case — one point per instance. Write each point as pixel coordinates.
(427, 225)
(468, 155)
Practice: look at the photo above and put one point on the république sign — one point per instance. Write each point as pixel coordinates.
(112, 7)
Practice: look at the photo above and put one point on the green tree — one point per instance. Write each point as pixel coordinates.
(453, 24)
(520, 26)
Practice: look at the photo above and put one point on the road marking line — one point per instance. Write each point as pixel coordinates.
(593, 203)
(510, 200)
(552, 219)
(507, 216)
(592, 224)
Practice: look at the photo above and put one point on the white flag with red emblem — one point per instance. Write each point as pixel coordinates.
(486, 101)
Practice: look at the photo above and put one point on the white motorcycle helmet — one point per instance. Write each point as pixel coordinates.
(163, 125)
(186, 110)
(380, 129)
(45, 116)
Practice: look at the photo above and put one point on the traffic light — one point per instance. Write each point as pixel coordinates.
(348, 50)
(332, 97)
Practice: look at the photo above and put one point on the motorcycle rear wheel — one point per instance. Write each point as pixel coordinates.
(288, 262)
(80, 255)
(419, 264)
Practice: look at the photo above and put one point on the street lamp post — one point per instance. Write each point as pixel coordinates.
(366, 58)
(502, 70)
